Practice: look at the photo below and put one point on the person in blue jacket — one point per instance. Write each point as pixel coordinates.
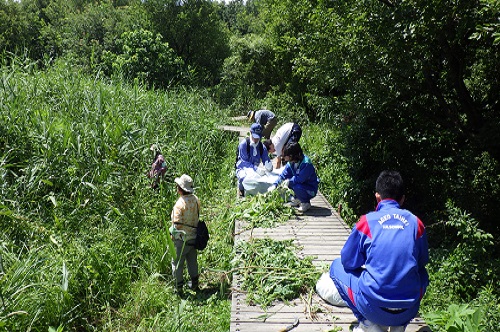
(381, 273)
(299, 175)
(251, 152)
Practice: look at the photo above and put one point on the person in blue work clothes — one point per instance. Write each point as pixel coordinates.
(266, 119)
(381, 273)
(299, 175)
(251, 152)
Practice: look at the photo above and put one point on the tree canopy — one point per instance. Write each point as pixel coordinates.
(412, 85)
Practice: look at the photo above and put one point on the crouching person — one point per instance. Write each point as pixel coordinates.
(299, 175)
(251, 152)
(185, 217)
(381, 274)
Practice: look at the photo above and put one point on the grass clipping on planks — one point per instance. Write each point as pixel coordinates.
(270, 270)
(266, 211)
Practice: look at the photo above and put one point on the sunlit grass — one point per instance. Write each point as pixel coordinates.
(73, 154)
(80, 220)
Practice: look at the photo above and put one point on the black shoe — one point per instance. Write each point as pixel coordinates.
(179, 288)
(194, 283)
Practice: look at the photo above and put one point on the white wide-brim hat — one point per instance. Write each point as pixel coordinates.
(185, 182)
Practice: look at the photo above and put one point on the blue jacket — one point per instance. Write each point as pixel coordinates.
(248, 160)
(302, 173)
(391, 244)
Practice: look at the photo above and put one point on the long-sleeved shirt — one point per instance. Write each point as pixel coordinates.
(263, 117)
(253, 158)
(390, 246)
(302, 172)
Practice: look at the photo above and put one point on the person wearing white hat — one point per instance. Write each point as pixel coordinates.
(185, 216)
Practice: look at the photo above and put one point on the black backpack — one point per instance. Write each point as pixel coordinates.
(202, 236)
(260, 148)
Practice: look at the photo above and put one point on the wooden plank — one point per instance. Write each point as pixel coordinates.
(334, 235)
(312, 327)
(242, 131)
(315, 316)
(319, 233)
(239, 118)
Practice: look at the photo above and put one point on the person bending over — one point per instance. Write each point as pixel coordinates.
(251, 152)
(287, 133)
(266, 119)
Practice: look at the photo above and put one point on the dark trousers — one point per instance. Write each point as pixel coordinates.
(295, 134)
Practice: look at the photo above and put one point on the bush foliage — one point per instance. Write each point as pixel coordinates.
(408, 85)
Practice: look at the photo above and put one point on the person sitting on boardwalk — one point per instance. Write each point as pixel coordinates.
(251, 152)
(266, 119)
(299, 175)
(185, 216)
(289, 132)
(381, 273)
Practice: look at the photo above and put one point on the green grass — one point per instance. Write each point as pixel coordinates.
(270, 271)
(77, 210)
(83, 245)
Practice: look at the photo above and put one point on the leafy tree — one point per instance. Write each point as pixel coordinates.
(19, 29)
(196, 33)
(423, 97)
(143, 55)
(97, 27)
(249, 72)
(241, 17)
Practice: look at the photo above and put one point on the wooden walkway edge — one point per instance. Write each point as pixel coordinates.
(319, 232)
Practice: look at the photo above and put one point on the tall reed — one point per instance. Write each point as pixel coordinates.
(81, 227)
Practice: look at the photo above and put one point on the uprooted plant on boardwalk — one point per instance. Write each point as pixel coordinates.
(270, 270)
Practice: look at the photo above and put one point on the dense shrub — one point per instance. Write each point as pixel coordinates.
(462, 287)
(141, 55)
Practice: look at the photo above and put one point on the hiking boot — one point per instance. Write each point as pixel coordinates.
(194, 283)
(241, 193)
(367, 326)
(304, 207)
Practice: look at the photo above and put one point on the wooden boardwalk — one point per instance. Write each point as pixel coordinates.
(321, 233)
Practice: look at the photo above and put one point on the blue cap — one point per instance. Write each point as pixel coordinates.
(256, 130)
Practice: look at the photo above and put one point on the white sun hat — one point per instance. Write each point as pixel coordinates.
(185, 182)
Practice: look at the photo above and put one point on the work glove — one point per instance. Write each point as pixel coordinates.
(271, 188)
(269, 166)
(285, 183)
(261, 171)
